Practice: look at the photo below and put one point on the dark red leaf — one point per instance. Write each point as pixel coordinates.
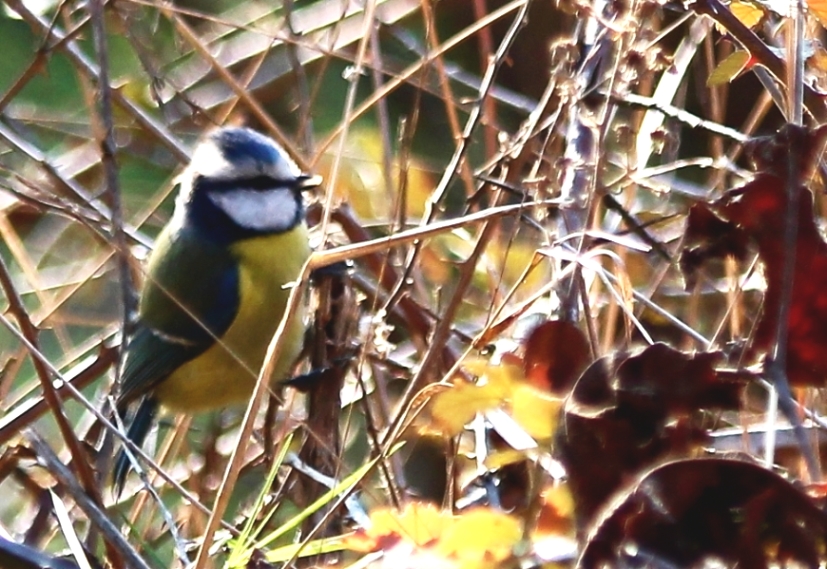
(690, 511)
(556, 353)
(662, 379)
(709, 237)
(758, 210)
(627, 412)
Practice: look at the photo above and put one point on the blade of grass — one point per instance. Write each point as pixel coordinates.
(236, 553)
(240, 558)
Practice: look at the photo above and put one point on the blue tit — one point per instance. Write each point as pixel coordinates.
(217, 284)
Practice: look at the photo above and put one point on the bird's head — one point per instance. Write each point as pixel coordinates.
(240, 184)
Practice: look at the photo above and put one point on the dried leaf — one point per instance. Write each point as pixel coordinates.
(708, 237)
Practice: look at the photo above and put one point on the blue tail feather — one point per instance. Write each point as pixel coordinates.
(137, 432)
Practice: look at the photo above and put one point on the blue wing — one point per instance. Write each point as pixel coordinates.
(190, 297)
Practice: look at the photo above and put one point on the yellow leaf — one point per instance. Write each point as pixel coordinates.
(536, 411)
(556, 515)
(502, 458)
(506, 262)
(748, 13)
(420, 523)
(480, 535)
(533, 409)
(819, 9)
(728, 69)
(554, 531)
(417, 523)
(476, 366)
(479, 539)
(455, 408)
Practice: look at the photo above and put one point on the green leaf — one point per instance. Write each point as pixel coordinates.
(728, 69)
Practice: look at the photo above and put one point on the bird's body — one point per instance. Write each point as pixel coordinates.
(202, 383)
(217, 283)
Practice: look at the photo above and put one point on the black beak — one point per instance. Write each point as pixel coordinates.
(307, 182)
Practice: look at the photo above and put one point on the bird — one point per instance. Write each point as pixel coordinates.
(217, 284)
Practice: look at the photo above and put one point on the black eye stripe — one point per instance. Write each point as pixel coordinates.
(259, 183)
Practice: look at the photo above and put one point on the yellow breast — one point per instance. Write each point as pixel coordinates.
(226, 372)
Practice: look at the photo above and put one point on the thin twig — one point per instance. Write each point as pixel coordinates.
(106, 140)
(89, 506)
(82, 64)
(777, 365)
(83, 374)
(813, 101)
(30, 334)
(403, 76)
(353, 76)
(64, 383)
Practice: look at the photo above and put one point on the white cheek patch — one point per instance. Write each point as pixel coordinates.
(260, 210)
